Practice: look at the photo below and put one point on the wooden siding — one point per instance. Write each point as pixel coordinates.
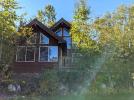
(32, 67)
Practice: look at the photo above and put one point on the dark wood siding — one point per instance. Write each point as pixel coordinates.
(32, 67)
(35, 67)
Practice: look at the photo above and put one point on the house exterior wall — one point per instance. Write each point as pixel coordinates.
(37, 66)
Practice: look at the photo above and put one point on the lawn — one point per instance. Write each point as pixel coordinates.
(95, 97)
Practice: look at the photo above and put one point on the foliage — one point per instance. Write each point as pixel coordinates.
(81, 36)
(50, 15)
(47, 16)
(8, 28)
(41, 17)
(49, 83)
(116, 32)
(8, 33)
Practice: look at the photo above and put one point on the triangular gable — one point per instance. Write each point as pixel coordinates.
(62, 22)
(45, 28)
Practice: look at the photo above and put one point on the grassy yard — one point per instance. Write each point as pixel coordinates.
(95, 97)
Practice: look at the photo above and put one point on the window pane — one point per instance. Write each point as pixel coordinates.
(59, 32)
(43, 53)
(66, 32)
(21, 53)
(30, 53)
(44, 39)
(53, 54)
(68, 40)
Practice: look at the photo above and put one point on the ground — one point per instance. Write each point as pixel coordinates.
(93, 97)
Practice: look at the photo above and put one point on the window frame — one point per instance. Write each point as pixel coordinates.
(25, 54)
(48, 54)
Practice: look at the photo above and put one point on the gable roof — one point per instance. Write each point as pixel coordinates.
(35, 22)
(61, 22)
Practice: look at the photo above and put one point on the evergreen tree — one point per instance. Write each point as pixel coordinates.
(50, 15)
(47, 16)
(8, 33)
(81, 36)
(81, 28)
(40, 16)
(116, 32)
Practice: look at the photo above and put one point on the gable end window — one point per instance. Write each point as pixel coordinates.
(59, 32)
(66, 32)
(44, 39)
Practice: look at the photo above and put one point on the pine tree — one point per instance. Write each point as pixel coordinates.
(47, 16)
(50, 15)
(81, 36)
(40, 16)
(81, 27)
(8, 33)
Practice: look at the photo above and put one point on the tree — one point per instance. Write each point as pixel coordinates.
(81, 33)
(116, 31)
(7, 26)
(47, 16)
(8, 33)
(50, 15)
(40, 16)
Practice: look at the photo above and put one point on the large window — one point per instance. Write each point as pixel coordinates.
(48, 54)
(66, 36)
(21, 51)
(68, 40)
(30, 53)
(25, 54)
(66, 32)
(53, 54)
(43, 53)
(44, 39)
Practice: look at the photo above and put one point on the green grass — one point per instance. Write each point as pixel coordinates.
(92, 97)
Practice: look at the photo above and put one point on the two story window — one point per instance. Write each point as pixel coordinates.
(46, 53)
(63, 32)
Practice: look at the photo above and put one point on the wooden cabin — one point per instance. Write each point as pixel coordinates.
(48, 48)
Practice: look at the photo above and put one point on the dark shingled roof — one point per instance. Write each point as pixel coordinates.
(62, 21)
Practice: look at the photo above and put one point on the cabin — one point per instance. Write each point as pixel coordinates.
(45, 49)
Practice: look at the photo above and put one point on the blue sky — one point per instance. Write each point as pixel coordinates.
(65, 8)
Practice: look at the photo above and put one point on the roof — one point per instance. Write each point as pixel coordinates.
(45, 28)
(61, 22)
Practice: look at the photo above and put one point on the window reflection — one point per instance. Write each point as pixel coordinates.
(66, 32)
(59, 32)
(68, 40)
(44, 39)
(30, 54)
(49, 54)
(21, 51)
(43, 53)
(53, 54)
(25, 53)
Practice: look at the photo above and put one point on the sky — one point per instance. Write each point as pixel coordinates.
(65, 8)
